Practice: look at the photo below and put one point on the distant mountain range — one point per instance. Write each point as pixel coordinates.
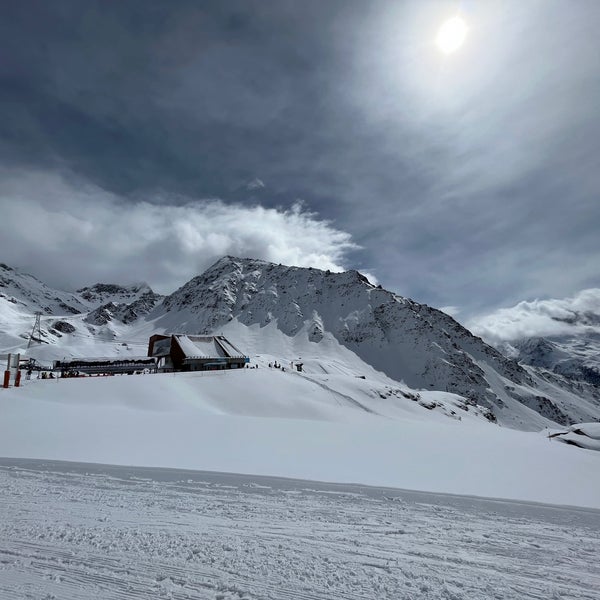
(26, 292)
(292, 311)
(577, 357)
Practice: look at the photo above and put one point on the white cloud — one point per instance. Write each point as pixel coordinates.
(255, 184)
(565, 316)
(71, 235)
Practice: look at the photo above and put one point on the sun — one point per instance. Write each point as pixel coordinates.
(451, 35)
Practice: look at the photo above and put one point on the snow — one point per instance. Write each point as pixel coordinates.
(592, 430)
(230, 348)
(26, 292)
(408, 341)
(292, 313)
(199, 347)
(264, 421)
(102, 294)
(583, 435)
(74, 531)
(580, 441)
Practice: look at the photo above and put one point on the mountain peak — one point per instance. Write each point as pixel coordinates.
(297, 311)
(245, 263)
(101, 294)
(237, 260)
(114, 288)
(29, 293)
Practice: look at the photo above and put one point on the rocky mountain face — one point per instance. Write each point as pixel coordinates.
(124, 304)
(575, 357)
(28, 293)
(99, 304)
(105, 293)
(408, 341)
(119, 311)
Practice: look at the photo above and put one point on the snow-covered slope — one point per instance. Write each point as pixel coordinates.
(408, 341)
(78, 531)
(271, 422)
(27, 293)
(332, 322)
(71, 323)
(576, 357)
(582, 435)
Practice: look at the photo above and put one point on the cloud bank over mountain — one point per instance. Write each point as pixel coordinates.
(541, 318)
(71, 234)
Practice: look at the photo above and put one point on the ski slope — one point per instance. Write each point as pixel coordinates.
(326, 426)
(136, 529)
(73, 531)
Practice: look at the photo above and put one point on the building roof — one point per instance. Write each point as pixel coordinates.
(200, 347)
(197, 347)
(229, 348)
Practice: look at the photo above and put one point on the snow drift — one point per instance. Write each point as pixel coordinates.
(269, 422)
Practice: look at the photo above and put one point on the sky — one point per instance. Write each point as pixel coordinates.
(143, 140)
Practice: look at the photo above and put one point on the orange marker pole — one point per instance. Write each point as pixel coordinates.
(18, 378)
(6, 378)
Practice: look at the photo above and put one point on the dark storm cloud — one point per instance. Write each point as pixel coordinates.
(468, 181)
(187, 96)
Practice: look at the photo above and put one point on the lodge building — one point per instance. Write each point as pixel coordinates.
(181, 352)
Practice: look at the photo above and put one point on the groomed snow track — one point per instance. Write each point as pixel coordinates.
(71, 531)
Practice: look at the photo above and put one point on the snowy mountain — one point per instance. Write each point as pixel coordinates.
(101, 294)
(26, 292)
(558, 335)
(87, 317)
(409, 342)
(126, 313)
(334, 322)
(576, 357)
(113, 302)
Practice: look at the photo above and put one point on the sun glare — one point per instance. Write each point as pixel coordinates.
(451, 35)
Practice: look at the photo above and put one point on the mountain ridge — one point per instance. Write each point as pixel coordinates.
(283, 306)
(408, 341)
